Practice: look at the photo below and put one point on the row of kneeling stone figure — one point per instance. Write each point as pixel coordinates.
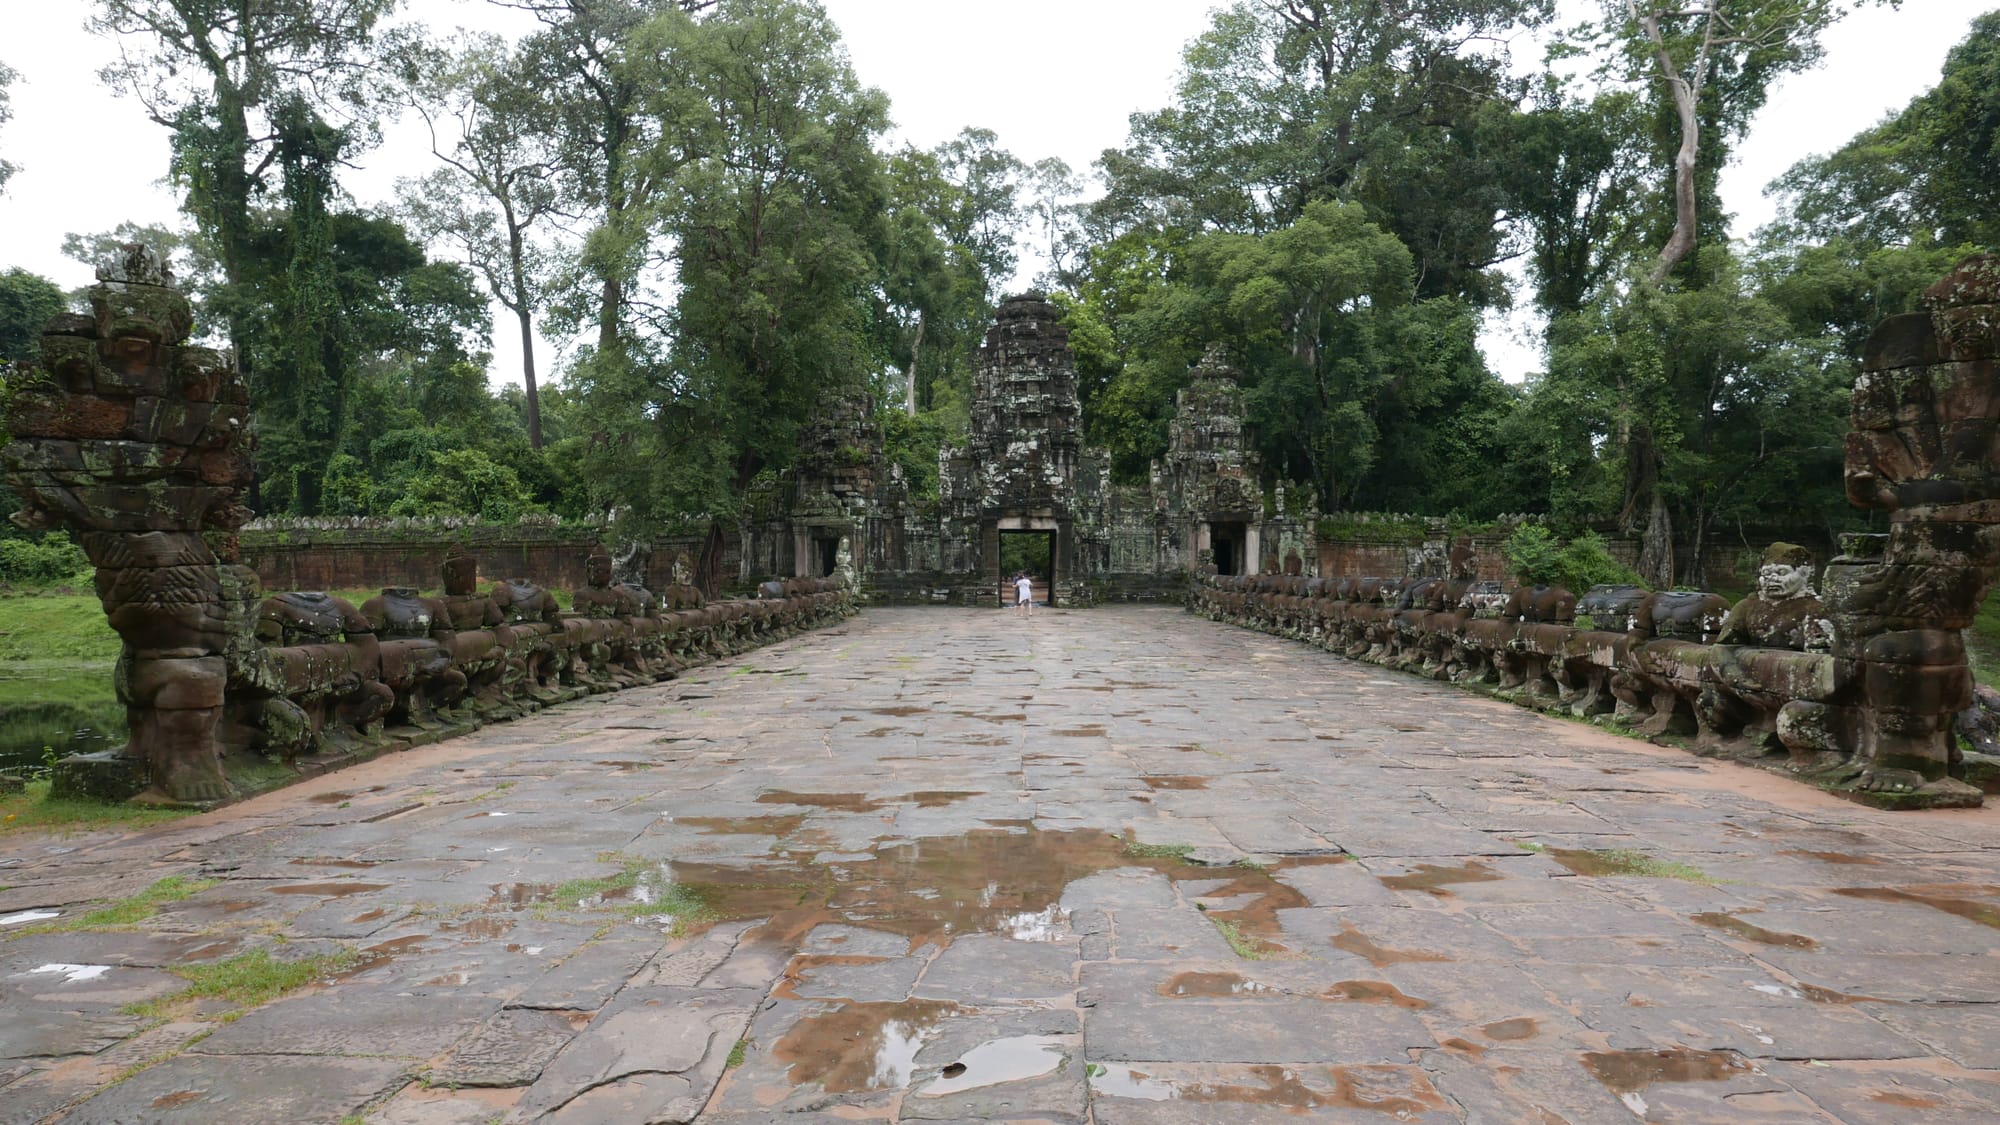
(327, 676)
(1757, 681)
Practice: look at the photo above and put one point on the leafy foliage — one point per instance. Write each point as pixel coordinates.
(27, 301)
(772, 198)
(1923, 176)
(1537, 557)
(698, 191)
(7, 77)
(51, 559)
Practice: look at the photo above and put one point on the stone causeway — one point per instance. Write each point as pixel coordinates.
(950, 864)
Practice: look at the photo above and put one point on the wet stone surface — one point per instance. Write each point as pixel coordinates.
(1122, 865)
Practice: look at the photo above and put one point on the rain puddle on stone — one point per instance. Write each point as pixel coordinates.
(1251, 901)
(336, 798)
(837, 802)
(1374, 992)
(743, 825)
(345, 864)
(483, 928)
(1209, 985)
(1938, 897)
(1393, 1090)
(329, 890)
(1737, 927)
(1836, 857)
(1627, 1073)
(1351, 940)
(382, 952)
(515, 896)
(72, 973)
(860, 1047)
(1509, 1031)
(1433, 879)
(1012, 1059)
(931, 891)
(22, 918)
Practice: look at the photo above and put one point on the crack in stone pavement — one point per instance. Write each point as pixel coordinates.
(939, 864)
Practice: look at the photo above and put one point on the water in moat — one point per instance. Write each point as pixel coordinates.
(49, 715)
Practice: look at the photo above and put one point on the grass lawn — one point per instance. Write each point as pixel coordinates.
(54, 630)
(1982, 643)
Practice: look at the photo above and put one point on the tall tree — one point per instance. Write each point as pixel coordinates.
(1743, 412)
(1706, 67)
(1715, 60)
(214, 72)
(934, 290)
(985, 211)
(771, 203)
(581, 62)
(7, 78)
(1053, 190)
(27, 301)
(1929, 174)
(497, 186)
(1577, 176)
(1398, 106)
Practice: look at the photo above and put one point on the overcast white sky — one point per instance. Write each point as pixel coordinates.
(1051, 77)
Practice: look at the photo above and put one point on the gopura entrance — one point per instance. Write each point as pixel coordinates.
(1016, 478)
(1023, 491)
(1030, 551)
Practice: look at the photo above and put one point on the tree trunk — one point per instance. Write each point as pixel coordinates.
(916, 350)
(609, 299)
(528, 376)
(524, 311)
(1656, 549)
(1681, 243)
(1686, 89)
(708, 565)
(229, 210)
(1694, 567)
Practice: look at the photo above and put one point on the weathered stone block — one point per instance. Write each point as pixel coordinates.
(178, 683)
(1900, 341)
(1915, 688)
(108, 775)
(1913, 646)
(1968, 333)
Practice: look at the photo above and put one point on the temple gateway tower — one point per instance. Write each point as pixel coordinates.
(1016, 478)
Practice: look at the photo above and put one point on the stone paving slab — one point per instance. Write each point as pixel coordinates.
(947, 865)
(197, 1089)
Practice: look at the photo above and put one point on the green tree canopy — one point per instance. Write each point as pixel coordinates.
(27, 301)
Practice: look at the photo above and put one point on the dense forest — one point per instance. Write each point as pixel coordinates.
(700, 191)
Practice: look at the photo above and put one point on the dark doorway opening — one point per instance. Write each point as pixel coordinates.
(1033, 552)
(825, 555)
(1226, 542)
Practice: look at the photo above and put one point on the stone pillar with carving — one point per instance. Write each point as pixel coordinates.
(138, 443)
(1926, 449)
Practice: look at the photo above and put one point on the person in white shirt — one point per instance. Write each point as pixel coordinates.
(1024, 594)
